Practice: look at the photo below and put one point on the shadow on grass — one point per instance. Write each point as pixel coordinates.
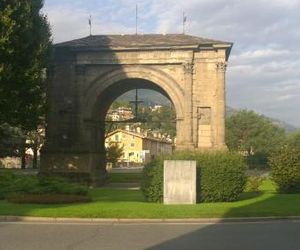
(116, 195)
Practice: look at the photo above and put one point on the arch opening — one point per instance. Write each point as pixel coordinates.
(148, 141)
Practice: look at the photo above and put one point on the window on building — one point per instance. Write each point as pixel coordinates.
(132, 144)
(116, 137)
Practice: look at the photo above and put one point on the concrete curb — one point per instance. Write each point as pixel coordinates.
(147, 221)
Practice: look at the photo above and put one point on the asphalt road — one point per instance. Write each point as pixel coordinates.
(283, 235)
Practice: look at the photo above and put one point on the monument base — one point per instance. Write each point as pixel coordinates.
(78, 167)
(179, 182)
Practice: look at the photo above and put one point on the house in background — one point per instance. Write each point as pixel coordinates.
(138, 148)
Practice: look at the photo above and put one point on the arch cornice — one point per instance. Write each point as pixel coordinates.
(158, 77)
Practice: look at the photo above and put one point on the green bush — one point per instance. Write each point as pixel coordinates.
(6, 178)
(259, 160)
(11, 184)
(253, 183)
(220, 176)
(285, 170)
(152, 181)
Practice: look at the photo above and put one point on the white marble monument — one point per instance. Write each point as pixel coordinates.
(179, 182)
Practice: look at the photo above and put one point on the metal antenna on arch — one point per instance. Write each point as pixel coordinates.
(183, 22)
(90, 24)
(136, 19)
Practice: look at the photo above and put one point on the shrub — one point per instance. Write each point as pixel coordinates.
(285, 170)
(6, 178)
(11, 184)
(220, 176)
(253, 183)
(259, 160)
(152, 181)
(76, 177)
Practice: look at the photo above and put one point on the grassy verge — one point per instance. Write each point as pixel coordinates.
(125, 177)
(110, 203)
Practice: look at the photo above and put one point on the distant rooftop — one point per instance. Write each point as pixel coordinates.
(147, 40)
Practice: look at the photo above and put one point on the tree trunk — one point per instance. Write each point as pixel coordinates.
(23, 155)
(35, 151)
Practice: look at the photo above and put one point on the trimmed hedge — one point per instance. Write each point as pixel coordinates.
(285, 170)
(221, 176)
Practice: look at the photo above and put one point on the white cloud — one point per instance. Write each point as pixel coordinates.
(264, 66)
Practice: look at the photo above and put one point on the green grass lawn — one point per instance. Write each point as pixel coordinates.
(112, 203)
(125, 177)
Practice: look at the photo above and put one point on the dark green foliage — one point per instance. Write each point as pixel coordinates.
(254, 135)
(220, 176)
(10, 140)
(6, 178)
(24, 54)
(152, 181)
(11, 184)
(285, 170)
(257, 160)
(75, 177)
(161, 120)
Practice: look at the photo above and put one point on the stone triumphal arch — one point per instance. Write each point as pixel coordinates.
(88, 74)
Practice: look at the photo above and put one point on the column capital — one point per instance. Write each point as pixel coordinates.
(221, 66)
(188, 68)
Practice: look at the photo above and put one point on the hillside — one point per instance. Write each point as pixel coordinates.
(150, 98)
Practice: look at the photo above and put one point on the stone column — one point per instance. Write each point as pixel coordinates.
(187, 127)
(220, 105)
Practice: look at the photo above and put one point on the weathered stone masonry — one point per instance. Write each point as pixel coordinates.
(88, 74)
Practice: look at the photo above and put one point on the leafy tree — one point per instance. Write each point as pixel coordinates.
(254, 134)
(293, 140)
(161, 120)
(113, 152)
(120, 103)
(10, 140)
(25, 50)
(24, 54)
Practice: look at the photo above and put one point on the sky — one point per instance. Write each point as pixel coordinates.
(263, 72)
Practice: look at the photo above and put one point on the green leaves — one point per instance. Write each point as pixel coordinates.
(285, 169)
(253, 134)
(25, 50)
(113, 152)
(221, 176)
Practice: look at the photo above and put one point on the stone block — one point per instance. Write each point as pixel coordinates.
(179, 182)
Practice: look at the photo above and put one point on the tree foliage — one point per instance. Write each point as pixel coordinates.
(254, 135)
(293, 140)
(24, 54)
(113, 152)
(162, 120)
(10, 140)
(285, 169)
